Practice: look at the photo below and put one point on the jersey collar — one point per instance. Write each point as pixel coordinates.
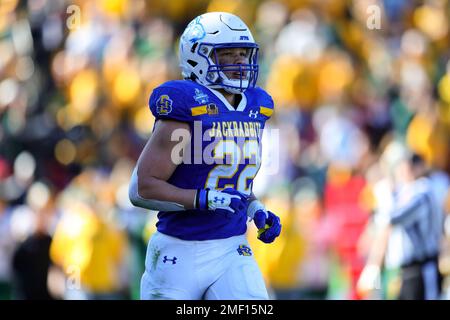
(240, 107)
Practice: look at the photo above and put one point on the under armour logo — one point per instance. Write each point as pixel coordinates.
(174, 260)
(216, 199)
(252, 114)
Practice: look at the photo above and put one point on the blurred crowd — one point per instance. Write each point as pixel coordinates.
(349, 92)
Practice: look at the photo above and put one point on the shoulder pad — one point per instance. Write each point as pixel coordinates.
(264, 100)
(169, 101)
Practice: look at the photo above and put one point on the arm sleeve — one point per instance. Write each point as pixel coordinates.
(151, 204)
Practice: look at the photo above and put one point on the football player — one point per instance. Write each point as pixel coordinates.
(204, 199)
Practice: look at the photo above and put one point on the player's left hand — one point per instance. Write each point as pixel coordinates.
(268, 224)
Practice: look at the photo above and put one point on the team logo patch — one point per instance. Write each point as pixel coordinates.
(243, 250)
(212, 109)
(201, 97)
(173, 260)
(164, 105)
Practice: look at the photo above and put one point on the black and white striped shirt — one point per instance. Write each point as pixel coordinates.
(420, 217)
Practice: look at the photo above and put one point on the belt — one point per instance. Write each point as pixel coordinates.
(420, 262)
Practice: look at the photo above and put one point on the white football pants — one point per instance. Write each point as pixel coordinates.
(221, 269)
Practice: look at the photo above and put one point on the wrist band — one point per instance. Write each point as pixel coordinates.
(196, 199)
(202, 199)
(254, 206)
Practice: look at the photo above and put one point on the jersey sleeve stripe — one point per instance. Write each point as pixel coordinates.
(196, 111)
(266, 111)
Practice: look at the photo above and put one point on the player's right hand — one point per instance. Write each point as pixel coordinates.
(227, 201)
(369, 280)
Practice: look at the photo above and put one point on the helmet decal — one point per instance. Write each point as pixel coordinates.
(195, 31)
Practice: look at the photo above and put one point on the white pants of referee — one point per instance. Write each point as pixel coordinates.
(222, 269)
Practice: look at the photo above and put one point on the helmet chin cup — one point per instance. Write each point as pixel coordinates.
(235, 86)
(233, 90)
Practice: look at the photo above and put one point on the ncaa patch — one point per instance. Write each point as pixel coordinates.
(201, 97)
(164, 105)
(243, 250)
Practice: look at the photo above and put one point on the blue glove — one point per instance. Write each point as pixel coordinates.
(227, 201)
(268, 224)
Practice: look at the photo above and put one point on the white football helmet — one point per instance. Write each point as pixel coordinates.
(198, 59)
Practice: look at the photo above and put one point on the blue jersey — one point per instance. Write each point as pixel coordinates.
(224, 151)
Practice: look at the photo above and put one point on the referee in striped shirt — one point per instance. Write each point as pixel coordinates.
(419, 218)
